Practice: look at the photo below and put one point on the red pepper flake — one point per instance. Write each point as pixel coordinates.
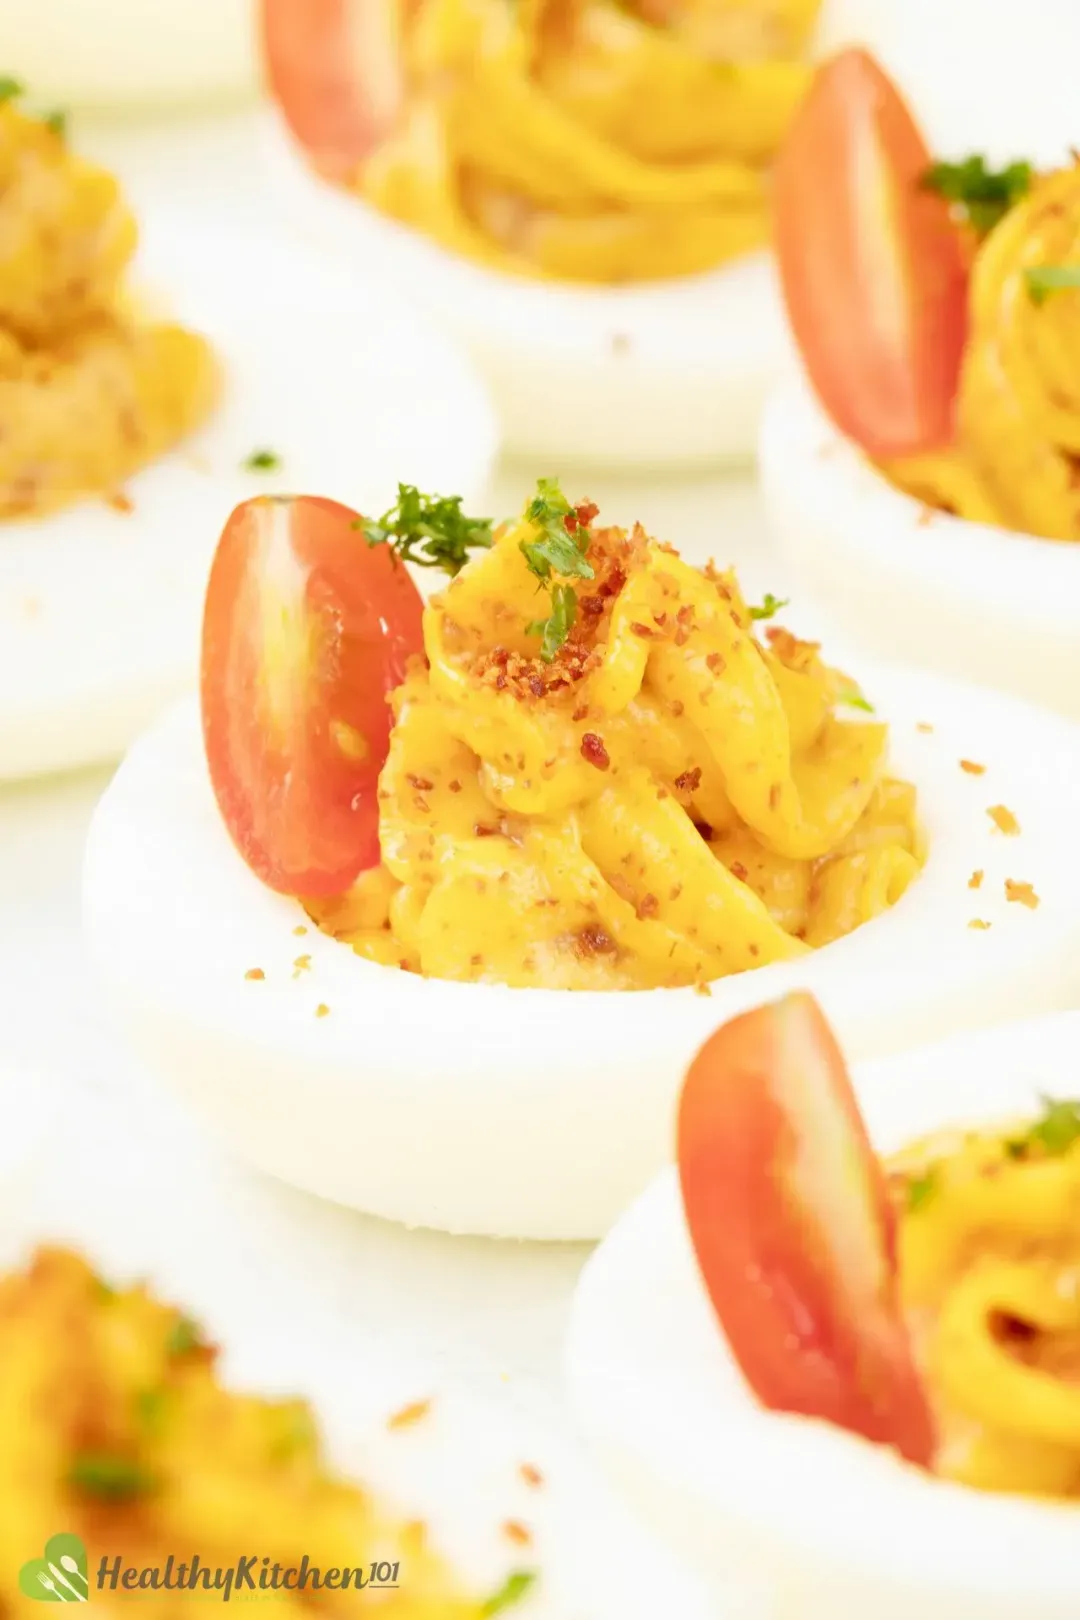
(1022, 893)
(689, 781)
(322, 1010)
(648, 907)
(254, 973)
(1004, 820)
(531, 1474)
(975, 880)
(454, 786)
(518, 1533)
(738, 870)
(971, 768)
(420, 783)
(415, 1412)
(586, 511)
(978, 922)
(594, 752)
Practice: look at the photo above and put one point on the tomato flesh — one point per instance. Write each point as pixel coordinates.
(334, 67)
(872, 265)
(794, 1233)
(306, 631)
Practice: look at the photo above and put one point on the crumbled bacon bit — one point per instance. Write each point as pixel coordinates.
(643, 630)
(971, 768)
(648, 907)
(454, 786)
(322, 1010)
(531, 1474)
(1004, 820)
(518, 1533)
(529, 678)
(581, 712)
(689, 781)
(415, 1412)
(594, 752)
(978, 922)
(1022, 893)
(660, 619)
(685, 615)
(592, 606)
(254, 973)
(593, 941)
(420, 783)
(738, 870)
(975, 880)
(482, 830)
(586, 511)
(677, 708)
(716, 663)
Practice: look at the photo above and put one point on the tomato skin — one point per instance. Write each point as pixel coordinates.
(334, 68)
(873, 267)
(794, 1233)
(306, 631)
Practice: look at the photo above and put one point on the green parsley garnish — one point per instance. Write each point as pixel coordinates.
(855, 700)
(185, 1335)
(116, 1479)
(10, 89)
(558, 549)
(984, 196)
(771, 606)
(1044, 279)
(513, 1589)
(263, 461)
(56, 121)
(1059, 1127)
(921, 1188)
(429, 530)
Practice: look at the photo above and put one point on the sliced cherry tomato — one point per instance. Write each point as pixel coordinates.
(306, 630)
(871, 262)
(794, 1233)
(334, 67)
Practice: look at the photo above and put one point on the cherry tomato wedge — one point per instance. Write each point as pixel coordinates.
(306, 630)
(335, 69)
(871, 263)
(793, 1230)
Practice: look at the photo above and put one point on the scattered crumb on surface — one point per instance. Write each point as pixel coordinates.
(702, 989)
(1022, 893)
(120, 502)
(406, 1416)
(518, 1533)
(531, 1474)
(254, 973)
(1004, 820)
(923, 725)
(975, 880)
(978, 922)
(322, 1010)
(301, 965)
(300, 930)
(972, 768)
(926, 516)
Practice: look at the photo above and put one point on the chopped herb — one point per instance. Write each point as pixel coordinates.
(984, 196)
(10, 89)
(922, 1188)
(513, 1589)
(429, 530)
(150, 1408)
(184, 1336)
(57, 121)
(263, 461)
(771, 606)
(555, 629)
(1059, 1127)
(855, 700)
(1044, 279)
(559, 549)
(116, 1479)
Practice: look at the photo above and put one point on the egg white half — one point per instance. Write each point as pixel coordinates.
(804, 1509)
(100, 610)
(911, 584)
(989, 76)
(533, 1113)
(663, 375)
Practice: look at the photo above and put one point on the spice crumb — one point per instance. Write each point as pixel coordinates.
(978, 922)
(594, 752)
(1022, 893)
(254, 973)
(972, 768)
(975, 880)
(702, 988)
(518, 1533)
(1004, 820)
(531, 1474)
(415, 1412)
(322, 1010)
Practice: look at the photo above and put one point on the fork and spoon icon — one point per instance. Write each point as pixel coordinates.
(47, 1581)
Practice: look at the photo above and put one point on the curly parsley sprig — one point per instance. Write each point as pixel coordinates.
(980, 195)
(771, 606)
(558, 549)
(429, 530)
(1054, 1134)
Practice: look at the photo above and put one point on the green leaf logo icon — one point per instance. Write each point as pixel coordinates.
(60, 1576)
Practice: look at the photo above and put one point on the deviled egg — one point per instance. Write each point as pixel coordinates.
(927, 495)
(608, 800)
(888, 1419)
(129, 432)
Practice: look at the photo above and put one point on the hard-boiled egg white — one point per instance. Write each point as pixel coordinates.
(532, 1113)
(668, 374)
(912, 584)
(112, 54)
(824, 1523)
(100, 609)
(995, 78)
